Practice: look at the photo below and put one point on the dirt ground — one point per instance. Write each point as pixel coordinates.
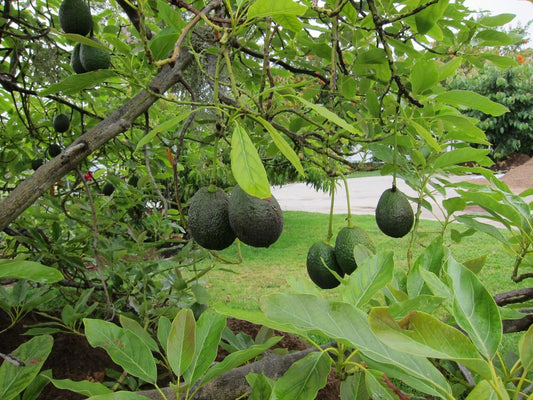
(518, 172)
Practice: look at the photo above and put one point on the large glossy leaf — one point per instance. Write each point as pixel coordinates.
(282, 145)
(329, 116)
(346, 323)
(427, 136)
(168, 125)
(354, 387)
(271, 8)
(304, 378)
(484, 390)
(372, 275)
(421, 334)
(376, 386)
(261, 387)
(135, 327)
(15, 378)
(123, 346)
(424, 75)
(474, 309)
(472, 100)
(30, 270)
(73, 84)
(84, 388)
(246, 165)
(208, 333)
(525, 348)
(238, 358)
(181, 342)
(459, 156)
(430, 260)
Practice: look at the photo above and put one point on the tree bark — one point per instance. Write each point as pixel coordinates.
(233, 384)
(27, 192)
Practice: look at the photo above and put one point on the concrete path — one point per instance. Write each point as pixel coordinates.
(364, 196)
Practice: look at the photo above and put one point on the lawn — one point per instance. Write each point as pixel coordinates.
(264, 271)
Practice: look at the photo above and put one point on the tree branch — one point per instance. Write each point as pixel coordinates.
(25, 194)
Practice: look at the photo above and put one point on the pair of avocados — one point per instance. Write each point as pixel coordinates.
(216, 219)
(394, 217)
(75, 17)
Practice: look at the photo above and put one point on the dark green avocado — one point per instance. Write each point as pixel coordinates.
(394, 214)
(75, 17)
(347, 239)
(321, 253)
(208, 219)
(256, 222)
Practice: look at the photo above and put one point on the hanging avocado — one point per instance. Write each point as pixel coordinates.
(75, 17)
(394, 214)
(93, 58)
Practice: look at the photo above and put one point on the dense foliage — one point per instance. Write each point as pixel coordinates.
(257, 93)
(511, 132)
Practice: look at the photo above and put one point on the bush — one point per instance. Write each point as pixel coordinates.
(513, 131)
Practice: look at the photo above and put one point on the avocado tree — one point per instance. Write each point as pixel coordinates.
(165, 97)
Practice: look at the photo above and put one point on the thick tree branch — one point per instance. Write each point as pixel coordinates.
(26, 193)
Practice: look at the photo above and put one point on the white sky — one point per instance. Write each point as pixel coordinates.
(523, 9)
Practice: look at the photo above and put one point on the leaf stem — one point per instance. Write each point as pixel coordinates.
(330, 226)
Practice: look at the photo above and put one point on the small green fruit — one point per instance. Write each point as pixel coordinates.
(321, 253)
(36, 163)
(61, 123)
(93, 58)
(394, 214)
(108, 189)
(54, 150)
(75, 17)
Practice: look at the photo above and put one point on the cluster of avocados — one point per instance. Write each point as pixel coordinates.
(323, 257)
(394, 217)
(61, 124)
(75, 17)
(216, 219)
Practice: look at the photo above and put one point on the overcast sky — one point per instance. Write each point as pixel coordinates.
(522, 8)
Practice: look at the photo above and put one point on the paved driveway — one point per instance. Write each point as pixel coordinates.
(364, 196)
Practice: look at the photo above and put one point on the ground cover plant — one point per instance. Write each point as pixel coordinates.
(164, 98)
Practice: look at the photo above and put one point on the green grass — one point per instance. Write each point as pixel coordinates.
(265, 271)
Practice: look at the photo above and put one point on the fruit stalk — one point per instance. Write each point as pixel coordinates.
(350, 219)
(330, 226)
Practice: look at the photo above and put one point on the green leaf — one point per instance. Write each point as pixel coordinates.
(372, 275)
(485, 391)
(135, 327)
(500, 61)
(246, 165)
(470, 221)
(261, 387)
(85, 388)
(304, 378)
(73, 84)
(163, 330)
(282, 145)
(120, 395)
(166, 126)
(208, 333)
(170, 15)
(328, 115)
(474, 309)
(525, 348)
(424, 76)
(492, 37)
(163, 43)
(271, 8)
(471, 100)
(424, 335)
(426, 136)
(354, 387)
(30, 270)
(344, 322)
(376, 387)
(238, 358)
(33, 353)
(496, 20)
(123, 346)
(181, 343)
(291, 22)
(459, 156)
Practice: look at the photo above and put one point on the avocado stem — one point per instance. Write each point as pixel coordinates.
(330, 227)
(349, 219)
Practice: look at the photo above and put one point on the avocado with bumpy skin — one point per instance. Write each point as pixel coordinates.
(208, 218)
(256, 222)
(394, 214)
(75, 17)
(320, 255)
(347, 239)
(93, 58)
